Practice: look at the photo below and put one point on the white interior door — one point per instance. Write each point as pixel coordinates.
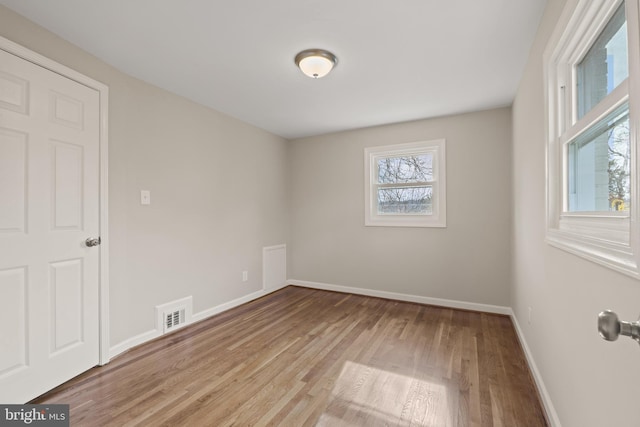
(49, 206)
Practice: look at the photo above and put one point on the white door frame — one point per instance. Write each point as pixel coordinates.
(103, 90)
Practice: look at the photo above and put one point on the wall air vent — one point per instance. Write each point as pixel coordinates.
(174, 319)
(174, 315)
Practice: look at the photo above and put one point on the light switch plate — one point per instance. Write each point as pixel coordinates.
(145, 197)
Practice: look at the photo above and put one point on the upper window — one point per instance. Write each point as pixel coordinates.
(405, 185)
(605, 65)
(592, 175)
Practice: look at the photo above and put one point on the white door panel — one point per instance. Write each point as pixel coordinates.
(49, 205)
(13, 172)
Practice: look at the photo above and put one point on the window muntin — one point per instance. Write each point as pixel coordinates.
(404, 185)
(605, 65)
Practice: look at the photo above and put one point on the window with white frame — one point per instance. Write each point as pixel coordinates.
(405, 185)
(591, 63)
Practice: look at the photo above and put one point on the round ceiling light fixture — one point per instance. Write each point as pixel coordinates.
(316, 63)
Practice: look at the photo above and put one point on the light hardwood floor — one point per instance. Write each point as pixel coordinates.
(301, 357)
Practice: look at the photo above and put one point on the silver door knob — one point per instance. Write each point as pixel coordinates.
(92, 242)
(610, 327)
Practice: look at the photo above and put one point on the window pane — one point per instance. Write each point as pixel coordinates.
(405, 169)
(405, 201)
(598, 166)
(605, 66)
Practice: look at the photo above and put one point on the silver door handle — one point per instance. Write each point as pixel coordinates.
(92, 242)
(610, 327)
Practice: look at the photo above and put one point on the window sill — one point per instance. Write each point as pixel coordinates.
(610, 254)
(404, 222)
(605, 228)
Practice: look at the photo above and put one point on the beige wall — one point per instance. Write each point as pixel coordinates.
(218, 191)
(467, 261)
(591, 382)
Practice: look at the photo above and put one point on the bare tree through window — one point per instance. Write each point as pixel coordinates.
(619, 167)
(404, 185)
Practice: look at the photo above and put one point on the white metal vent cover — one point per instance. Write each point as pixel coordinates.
(174, 319)
(174, 315)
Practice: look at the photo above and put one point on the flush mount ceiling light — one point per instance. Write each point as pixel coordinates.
(316, 63)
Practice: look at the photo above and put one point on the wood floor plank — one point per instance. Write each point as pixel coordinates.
(301, 357)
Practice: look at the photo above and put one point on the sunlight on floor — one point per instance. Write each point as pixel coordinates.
(367, 396)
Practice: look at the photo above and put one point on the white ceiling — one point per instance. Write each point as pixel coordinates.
(398, 60)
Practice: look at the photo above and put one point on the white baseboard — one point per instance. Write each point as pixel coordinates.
(544, 395)
(231, 304)
(552, 415)
(196, 317)
(202, 315)
(132, 342)
(464, 305)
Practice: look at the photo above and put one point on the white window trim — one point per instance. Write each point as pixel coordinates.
(438, 218)
(612, 240)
